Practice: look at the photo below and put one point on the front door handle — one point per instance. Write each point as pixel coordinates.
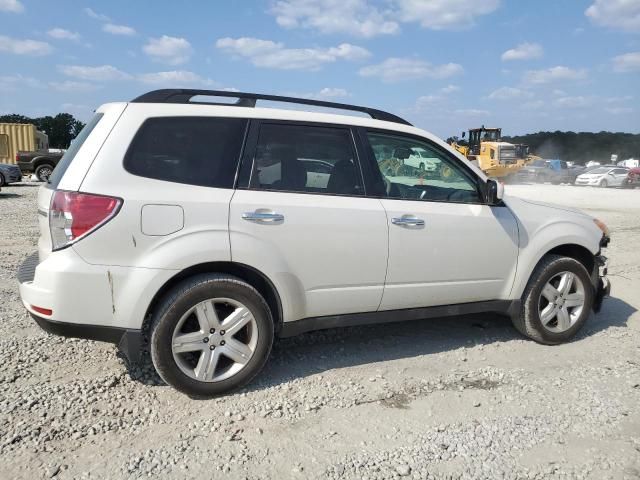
(408, 221)
(263, 216)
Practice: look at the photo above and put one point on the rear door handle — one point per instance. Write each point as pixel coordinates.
(408, 221)
(263, 216)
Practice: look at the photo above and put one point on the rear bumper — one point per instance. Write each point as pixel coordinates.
(69, 297)
(12, 175)
(128, 340)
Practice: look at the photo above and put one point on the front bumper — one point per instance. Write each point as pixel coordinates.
(601, 284)
(76, 291)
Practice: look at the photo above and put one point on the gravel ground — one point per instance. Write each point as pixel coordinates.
(442, 399)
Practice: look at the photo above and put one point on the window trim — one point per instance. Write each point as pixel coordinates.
(481, 186)
(251, 148)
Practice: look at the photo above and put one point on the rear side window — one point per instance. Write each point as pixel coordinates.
(200, 151)
(72, 151)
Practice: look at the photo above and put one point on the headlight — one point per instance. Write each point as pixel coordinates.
(601, 225)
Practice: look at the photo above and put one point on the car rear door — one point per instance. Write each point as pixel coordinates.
(323, 244)
(446, 246)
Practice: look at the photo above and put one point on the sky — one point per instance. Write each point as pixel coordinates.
(445, 65)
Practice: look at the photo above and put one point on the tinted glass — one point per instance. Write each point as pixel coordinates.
(296, 158)
(74, 148)
(409, 175)
(193, 150)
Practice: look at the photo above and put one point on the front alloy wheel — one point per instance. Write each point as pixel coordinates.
(561, 302)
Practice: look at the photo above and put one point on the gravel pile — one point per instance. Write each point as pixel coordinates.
(442, 399)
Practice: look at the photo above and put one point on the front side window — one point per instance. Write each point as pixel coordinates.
(296, 158)
(409, 175)
(200, 151)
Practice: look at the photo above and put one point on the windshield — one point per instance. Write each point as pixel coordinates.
(599, 170)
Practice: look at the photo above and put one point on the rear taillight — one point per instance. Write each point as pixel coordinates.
(74, 215)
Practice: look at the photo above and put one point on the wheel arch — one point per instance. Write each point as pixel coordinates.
(251, 275)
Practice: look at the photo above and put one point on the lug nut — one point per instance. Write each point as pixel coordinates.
(213, 330)
(222, 342)
(212, 347)
(221, 332)
(205, 339)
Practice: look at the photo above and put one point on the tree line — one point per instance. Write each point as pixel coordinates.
(581, 147)
(61, 129)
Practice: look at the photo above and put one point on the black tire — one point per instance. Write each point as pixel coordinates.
(188, 294)
(2, 180)
(43, 172)
(528, 321)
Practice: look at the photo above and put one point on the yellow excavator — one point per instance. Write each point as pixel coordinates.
(488, 152)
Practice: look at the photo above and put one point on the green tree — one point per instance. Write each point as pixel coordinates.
(61, 129)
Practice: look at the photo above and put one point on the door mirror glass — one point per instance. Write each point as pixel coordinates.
(495, 192)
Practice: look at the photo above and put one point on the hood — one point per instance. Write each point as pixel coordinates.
(513, 200)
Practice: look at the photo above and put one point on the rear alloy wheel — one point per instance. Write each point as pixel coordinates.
(603, 184)
(556, 302)
(43, 172)
(211, 335)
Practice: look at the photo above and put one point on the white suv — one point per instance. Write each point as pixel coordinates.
(211, 228)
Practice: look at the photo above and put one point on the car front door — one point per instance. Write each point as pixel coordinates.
(446, 245)
(619, 176)
(315, 235)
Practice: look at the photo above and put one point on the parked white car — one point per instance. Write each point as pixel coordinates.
(421, 160)
(169, 220)
(604, 177)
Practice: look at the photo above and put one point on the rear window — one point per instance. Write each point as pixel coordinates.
(200, 151)
(71, 152)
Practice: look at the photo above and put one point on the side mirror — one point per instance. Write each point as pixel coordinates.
(495, 192)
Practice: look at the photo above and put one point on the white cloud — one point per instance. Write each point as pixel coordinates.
(617, 14)
(95, 15)
(471, 112)
(449, 89)
(169, 50)
(62, 34)
(268, 54)
(329, 94)
(355, 17)
(629, 62)
(398, 69)
(366, 18)
(24, 47)
(619, 110)
(524, 51)
(573, 102)
(175, 79)
(13, 6)
(444, 14)
(18, 82)
(118, 29)
(553, 74)
(534, 105)
(98, 73)
(509, 93)
(72, 86)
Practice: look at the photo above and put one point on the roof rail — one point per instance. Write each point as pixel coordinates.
(249, 100)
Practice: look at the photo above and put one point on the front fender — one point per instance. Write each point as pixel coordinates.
(536, 243)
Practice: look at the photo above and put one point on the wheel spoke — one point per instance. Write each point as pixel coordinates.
(207, 363)
(548, 314)
(236, 351)
(574, 300)
(239, 318)
(550, 292)
(189, 342)
(566, 282)
(564, 321)
(207, 316)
